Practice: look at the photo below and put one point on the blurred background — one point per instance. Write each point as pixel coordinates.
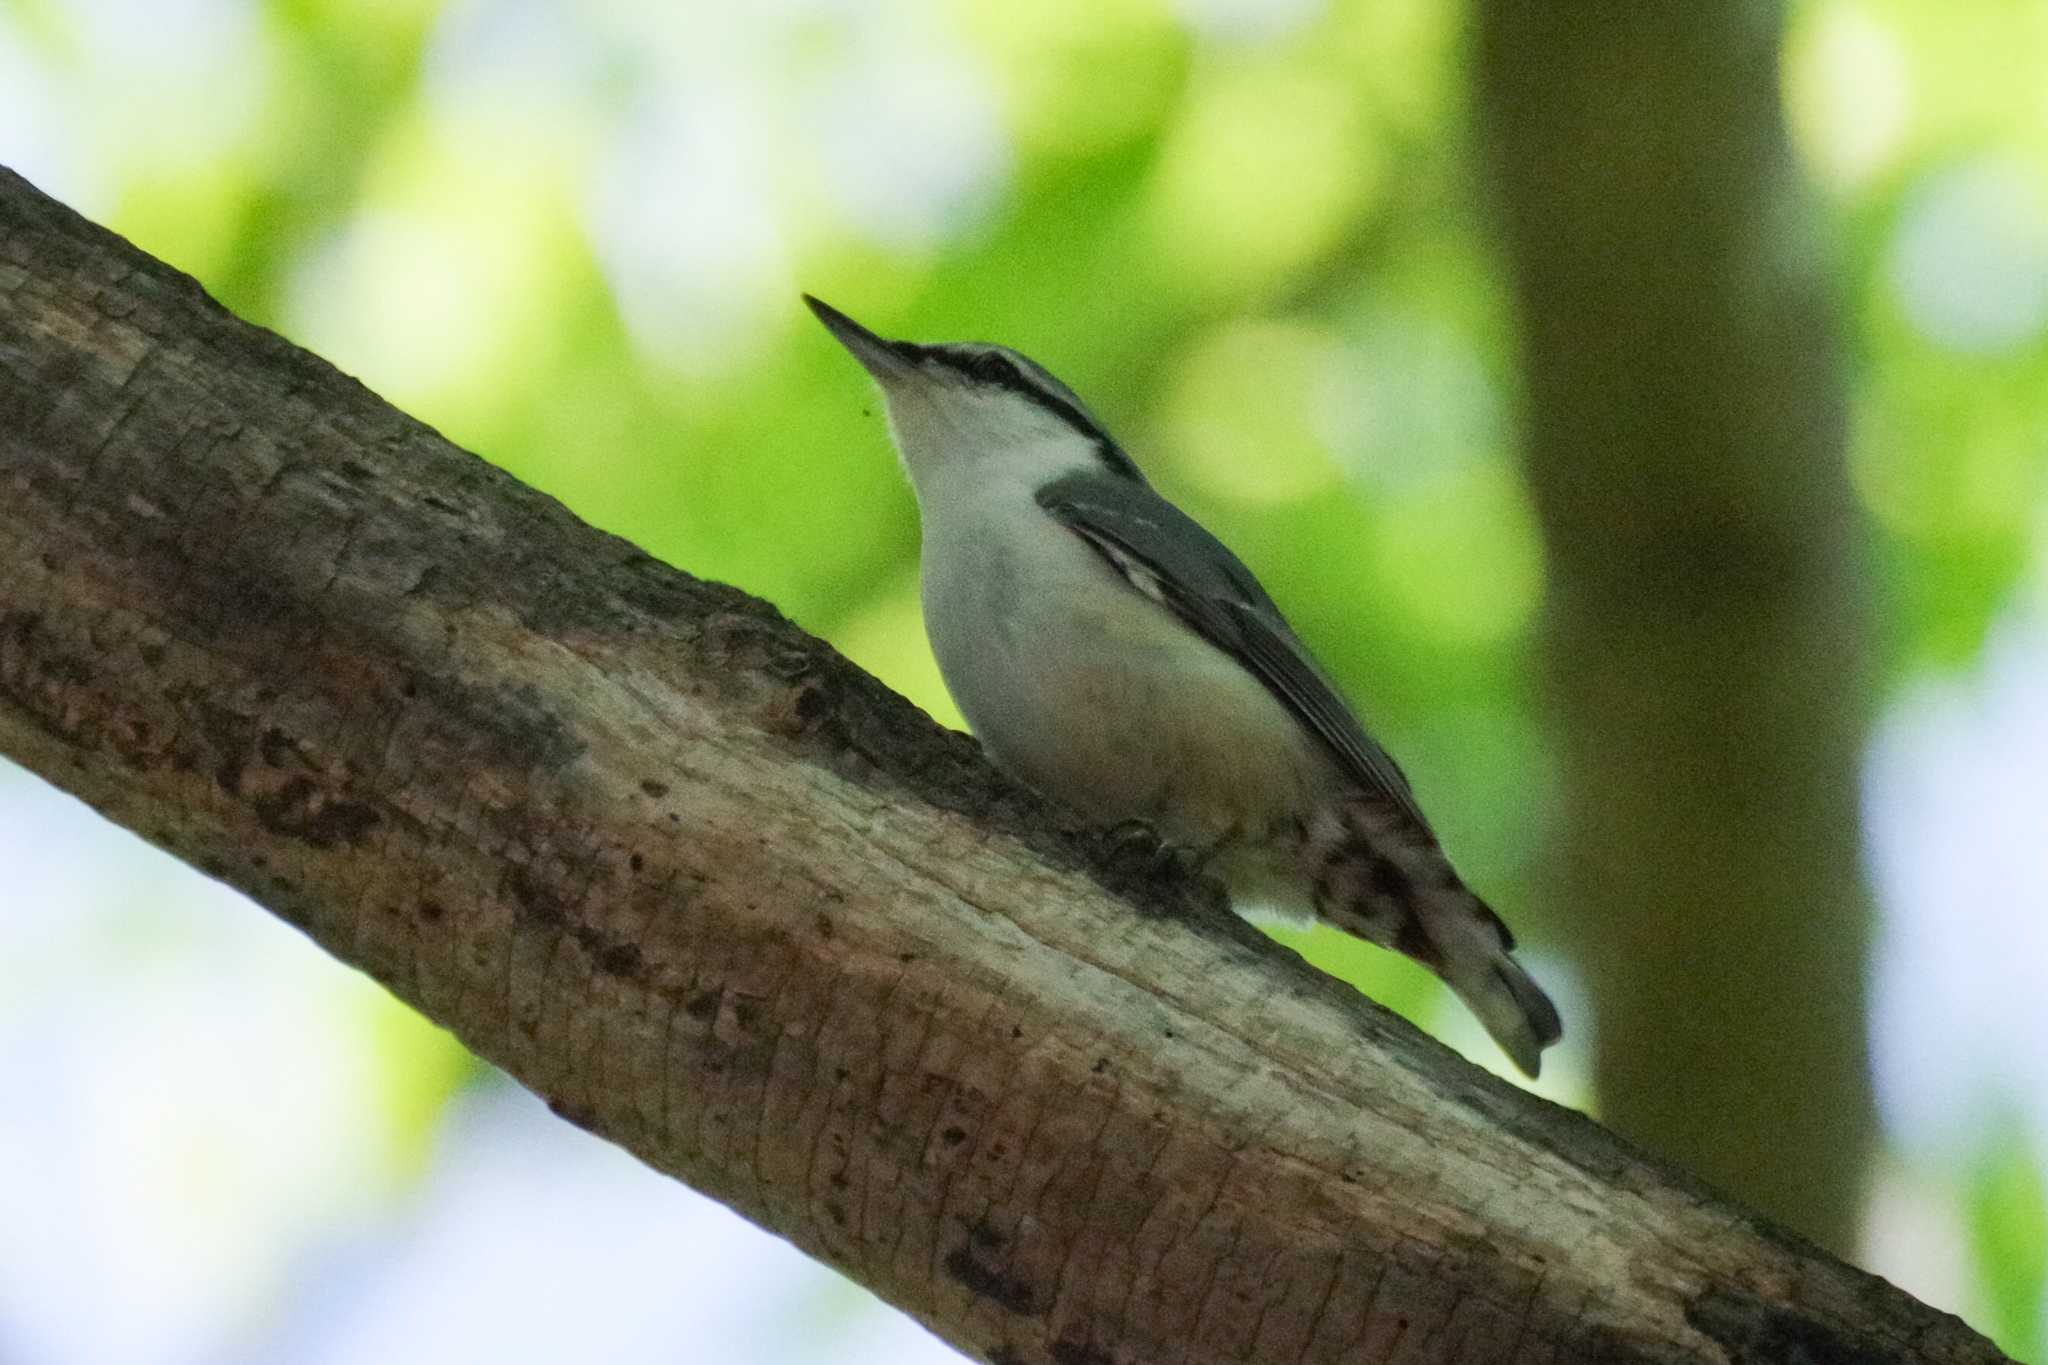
(1255, 235)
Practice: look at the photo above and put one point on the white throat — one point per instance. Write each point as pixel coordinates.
(960, 442)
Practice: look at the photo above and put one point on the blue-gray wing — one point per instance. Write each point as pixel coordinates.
(1166, 555)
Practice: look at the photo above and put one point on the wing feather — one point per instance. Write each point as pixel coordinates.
(1167, 556)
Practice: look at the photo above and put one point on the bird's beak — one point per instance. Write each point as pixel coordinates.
(884, 359)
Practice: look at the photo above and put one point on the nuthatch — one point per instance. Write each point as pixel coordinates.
(1114, 655)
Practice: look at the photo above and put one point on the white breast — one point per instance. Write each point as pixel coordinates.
(1093, 693)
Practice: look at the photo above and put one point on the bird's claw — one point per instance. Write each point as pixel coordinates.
(1142, 858)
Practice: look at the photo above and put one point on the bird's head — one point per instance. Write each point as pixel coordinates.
(976, 410)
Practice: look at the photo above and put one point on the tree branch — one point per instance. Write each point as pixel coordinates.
(728, 903)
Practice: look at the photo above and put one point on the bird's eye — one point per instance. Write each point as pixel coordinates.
(995, 369)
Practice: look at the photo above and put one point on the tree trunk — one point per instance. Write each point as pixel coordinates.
(728, 903)
(1705, 640)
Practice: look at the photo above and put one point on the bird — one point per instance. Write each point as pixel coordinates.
(1111, 653)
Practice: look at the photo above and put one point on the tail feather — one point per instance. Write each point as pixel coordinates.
(1513, 1009)
(1380, 876)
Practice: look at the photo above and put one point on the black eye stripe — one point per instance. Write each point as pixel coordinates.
(987, 367)
(999, 369)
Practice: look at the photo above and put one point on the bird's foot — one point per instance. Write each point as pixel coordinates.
(1142, 862)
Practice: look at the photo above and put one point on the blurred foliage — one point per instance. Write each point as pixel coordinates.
(2006, 1211)
(573, 239)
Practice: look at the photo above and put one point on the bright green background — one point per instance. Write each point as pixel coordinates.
(1252, 236)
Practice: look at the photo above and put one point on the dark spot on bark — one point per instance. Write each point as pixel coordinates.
(1756, 1332)
(620, 959)
(512, 725)
(152, 655)
(841, 1074)
(703, 1005)
(68, 669)
(1016, 1031)
(839, 1180)
(746, 1010)
(578, 1114)
(1004, 1291)
(657, 790)
(299, 810)
(442, 505)
(636, 862)
(230, 734)
(837, 1211)
(812, 703)
(999, 1355)
(824, 926)
(276, 746)
(1390, 881)
(1101, 1065)
(19, 626)
(906, 957)
(130, 738)
(533, 735)
(241, 602)
(537, 904)
(432, 911)
(982, 1234)
(954, 1136)
(1080, 1353)
(357, 472)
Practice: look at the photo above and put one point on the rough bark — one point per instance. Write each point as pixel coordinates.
(727, 902)
(1705, 637)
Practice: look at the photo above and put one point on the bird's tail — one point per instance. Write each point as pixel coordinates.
(1380, 875)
